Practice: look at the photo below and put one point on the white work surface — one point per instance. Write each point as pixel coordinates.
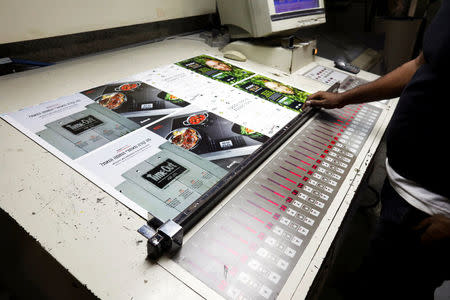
(87, 231)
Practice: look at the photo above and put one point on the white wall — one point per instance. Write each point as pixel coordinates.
(32, 19)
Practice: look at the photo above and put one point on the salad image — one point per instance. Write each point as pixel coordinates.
(218, 65)
(275, 92)
(278, 87)
(242, 130)
(173, 99)
(215, 69)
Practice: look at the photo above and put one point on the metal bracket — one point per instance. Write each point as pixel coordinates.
(167, 238)
(334, 88)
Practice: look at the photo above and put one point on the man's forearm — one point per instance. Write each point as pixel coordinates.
(389, 86)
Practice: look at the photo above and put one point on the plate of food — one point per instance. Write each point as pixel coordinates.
(185, 137)
(128, 87)
(196, 119)
(111, 100)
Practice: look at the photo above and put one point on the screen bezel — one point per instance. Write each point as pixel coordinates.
(272, 10)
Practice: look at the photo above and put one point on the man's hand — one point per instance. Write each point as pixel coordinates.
(326, 100)
(435, 228)
(389, 86)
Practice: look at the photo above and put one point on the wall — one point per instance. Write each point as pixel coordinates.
(22, 20)
(60, 48)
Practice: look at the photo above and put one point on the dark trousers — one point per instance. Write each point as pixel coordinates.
(398, 265)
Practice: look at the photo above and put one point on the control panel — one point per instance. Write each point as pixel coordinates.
(330, 76)
(249, 248)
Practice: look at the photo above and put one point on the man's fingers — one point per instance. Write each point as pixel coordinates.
(314, 102)
(316, 96)
(315, 99)
(324, 99)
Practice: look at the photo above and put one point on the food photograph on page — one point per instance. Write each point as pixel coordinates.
(215, 69)
(136, 100)
(210, 136)
(275, 92)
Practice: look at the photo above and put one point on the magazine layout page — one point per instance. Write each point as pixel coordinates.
(154, 174)
(209, 136)
(158, 140)
(136, 100)
(74, 125)
(249, 99)
(141, 169)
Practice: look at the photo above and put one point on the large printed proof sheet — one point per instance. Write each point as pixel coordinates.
(158, 140)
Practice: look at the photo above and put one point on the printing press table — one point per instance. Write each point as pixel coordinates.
(92, 235)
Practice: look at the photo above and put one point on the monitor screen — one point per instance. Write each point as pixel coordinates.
(282, 6)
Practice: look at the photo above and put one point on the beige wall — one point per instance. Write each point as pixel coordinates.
(22, 20)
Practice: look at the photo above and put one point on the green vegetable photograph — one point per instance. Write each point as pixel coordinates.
(215, 69)
(275, 92)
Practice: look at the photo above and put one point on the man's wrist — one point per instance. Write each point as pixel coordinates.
(344, 98)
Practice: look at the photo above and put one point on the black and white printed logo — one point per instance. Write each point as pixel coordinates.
(164, 173)
(83, 124)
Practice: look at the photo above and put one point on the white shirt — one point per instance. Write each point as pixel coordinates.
(418, 196)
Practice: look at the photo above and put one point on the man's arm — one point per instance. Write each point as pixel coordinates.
(389, 86)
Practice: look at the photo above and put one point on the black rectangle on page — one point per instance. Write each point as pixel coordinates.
(83, 124)
(164, 173)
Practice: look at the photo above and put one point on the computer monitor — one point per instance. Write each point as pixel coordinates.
(260, 18)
